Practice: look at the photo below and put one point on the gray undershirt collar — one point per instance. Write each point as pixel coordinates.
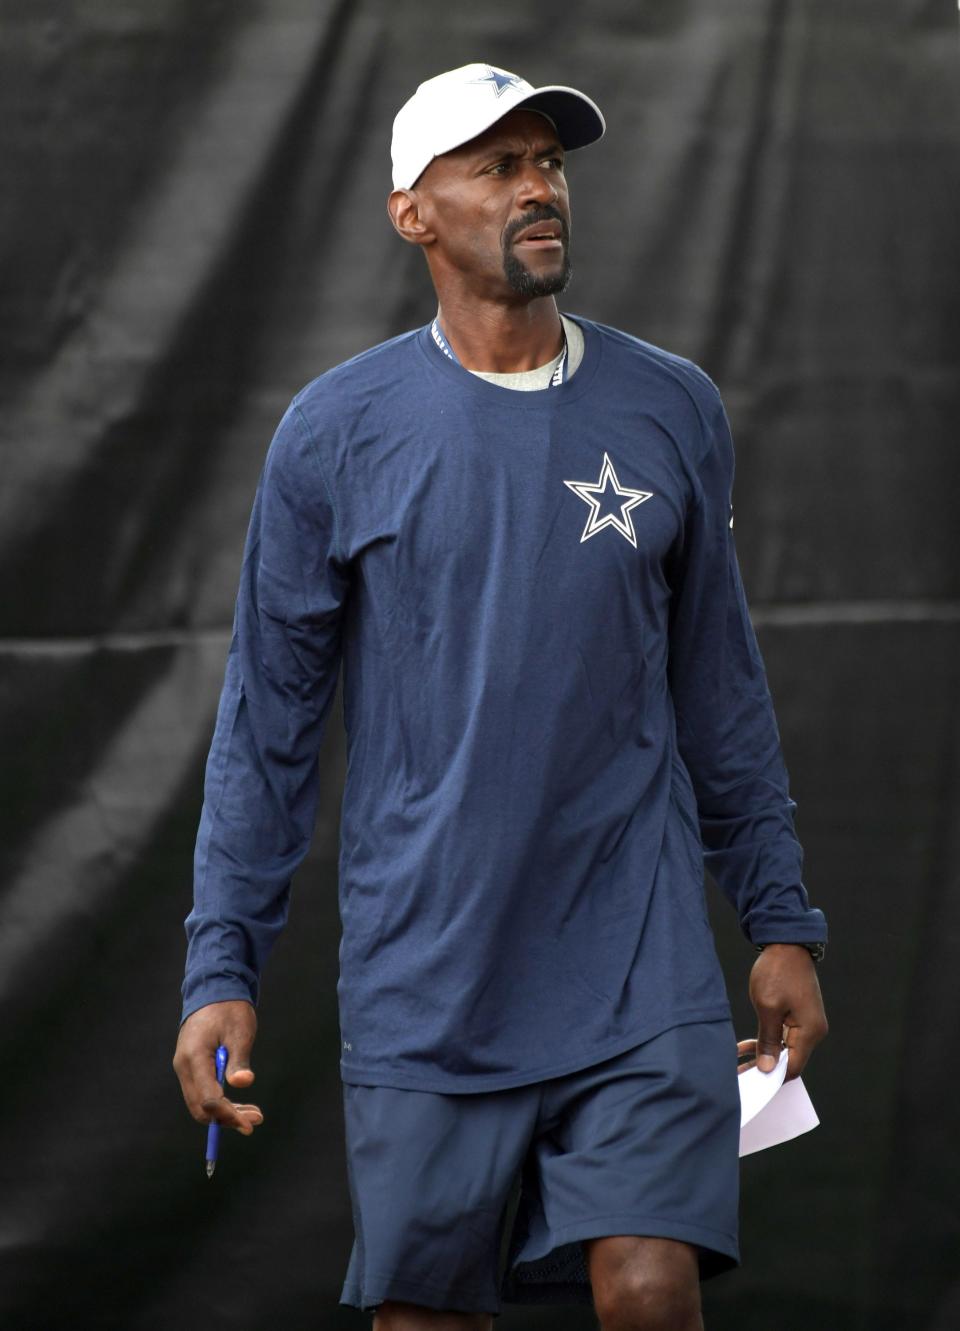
(539, 377)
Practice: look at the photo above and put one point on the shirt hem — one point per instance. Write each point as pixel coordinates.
(441, 1297)
(360, 1075)
(652, 1226)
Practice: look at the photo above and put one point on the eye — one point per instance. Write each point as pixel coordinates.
(555, 162)
(499, 168)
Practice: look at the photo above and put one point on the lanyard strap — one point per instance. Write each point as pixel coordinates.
(558, 375)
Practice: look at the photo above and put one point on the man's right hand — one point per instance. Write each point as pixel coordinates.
(232, 1023)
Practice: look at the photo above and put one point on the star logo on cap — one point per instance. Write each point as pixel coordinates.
(497, 81)
(592, 494)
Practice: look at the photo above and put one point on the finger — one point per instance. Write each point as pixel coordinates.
(203, 1093)
(746, 1055)
(252, 1113)
(202, 1088)
(197, 1084)
(251, 1118)
(801, 1037)
(769, 1040)
(800, 1047)
(218, 1109)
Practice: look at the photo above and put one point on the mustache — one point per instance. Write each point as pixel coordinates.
(547, 213)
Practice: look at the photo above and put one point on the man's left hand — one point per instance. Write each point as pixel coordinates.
(785, 991)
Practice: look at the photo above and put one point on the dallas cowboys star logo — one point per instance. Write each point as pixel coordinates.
(592, 493)
(498, 81)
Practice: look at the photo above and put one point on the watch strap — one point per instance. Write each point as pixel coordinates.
(816, 950)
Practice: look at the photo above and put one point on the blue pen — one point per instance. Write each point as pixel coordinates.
(213, 1131)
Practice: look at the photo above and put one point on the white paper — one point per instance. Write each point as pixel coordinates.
(771, 1110)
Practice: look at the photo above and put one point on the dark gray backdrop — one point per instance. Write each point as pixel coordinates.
(192, 225)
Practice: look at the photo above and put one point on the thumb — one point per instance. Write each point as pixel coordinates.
(769, 1042)
(239, 1045)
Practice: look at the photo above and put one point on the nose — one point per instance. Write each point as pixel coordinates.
(535, 187)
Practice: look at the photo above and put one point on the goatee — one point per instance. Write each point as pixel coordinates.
(526, 283)
(523, 281)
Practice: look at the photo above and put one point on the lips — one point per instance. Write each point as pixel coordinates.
(541, 235)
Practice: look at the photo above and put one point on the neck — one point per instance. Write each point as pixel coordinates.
(502, 339)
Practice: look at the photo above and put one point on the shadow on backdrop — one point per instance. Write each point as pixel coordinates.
(194, 227)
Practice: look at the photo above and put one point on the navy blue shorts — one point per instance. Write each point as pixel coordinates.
(463, 1200)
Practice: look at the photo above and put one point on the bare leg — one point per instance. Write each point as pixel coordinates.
(392, 1315)
(644, 1284)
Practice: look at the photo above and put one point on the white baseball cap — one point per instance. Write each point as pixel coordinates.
(454, 107)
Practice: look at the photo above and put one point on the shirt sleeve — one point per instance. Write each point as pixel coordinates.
(262, 781)
(726, 728)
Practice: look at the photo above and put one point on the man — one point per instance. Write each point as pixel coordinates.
(514, 529)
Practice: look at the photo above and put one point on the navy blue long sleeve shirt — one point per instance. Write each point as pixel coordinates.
(555, 711)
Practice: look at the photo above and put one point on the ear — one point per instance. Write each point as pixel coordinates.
(406, 209)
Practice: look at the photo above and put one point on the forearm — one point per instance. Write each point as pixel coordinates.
(255, 828)
(752, 852)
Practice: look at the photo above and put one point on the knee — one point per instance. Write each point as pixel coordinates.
(648, 1299)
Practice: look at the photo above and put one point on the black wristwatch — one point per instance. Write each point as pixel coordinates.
(816, 950)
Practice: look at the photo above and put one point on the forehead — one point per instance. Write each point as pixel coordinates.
(521, 130)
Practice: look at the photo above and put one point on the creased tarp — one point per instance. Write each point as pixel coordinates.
(192, 226)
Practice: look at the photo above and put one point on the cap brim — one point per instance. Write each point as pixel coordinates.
(578, 120)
